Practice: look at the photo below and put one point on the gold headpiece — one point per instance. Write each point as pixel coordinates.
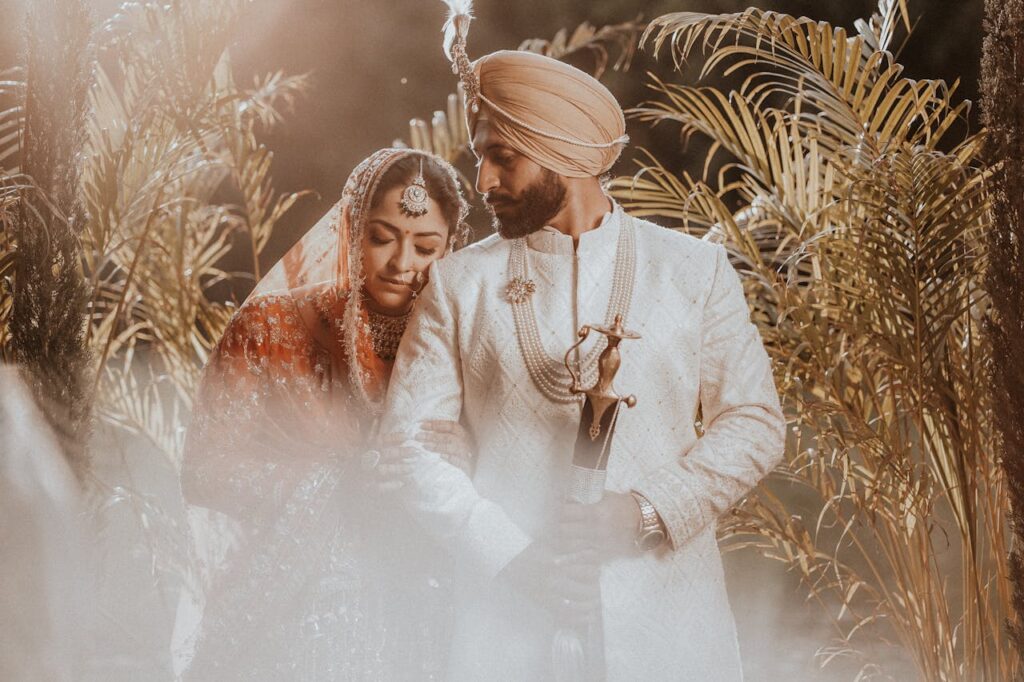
(456, 28)
(414, 197)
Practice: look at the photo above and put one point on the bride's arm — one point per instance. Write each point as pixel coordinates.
(241, 456)
(426, 385)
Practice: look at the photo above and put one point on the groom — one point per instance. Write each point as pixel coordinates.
(485, 346)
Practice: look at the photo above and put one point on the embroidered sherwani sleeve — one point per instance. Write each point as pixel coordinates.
(426, 384)
(744, 430)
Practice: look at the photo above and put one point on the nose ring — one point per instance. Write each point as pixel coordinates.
(419, 280)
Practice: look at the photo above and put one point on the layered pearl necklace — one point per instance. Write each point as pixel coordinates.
(550, 374)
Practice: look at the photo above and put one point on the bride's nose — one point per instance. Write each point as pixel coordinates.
(402, 260)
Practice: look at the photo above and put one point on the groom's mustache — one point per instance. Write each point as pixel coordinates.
(492, 198)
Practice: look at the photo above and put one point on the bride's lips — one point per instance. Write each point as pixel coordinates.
(395, 282)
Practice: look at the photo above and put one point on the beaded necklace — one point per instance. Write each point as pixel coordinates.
(548, 373)
(385, 332)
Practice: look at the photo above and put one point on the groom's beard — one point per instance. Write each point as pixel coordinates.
(538, 204)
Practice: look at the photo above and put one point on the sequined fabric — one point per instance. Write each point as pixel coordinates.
(329, 580)
(273, 444)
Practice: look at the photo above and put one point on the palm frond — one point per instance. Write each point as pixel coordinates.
(45, 321)
(273, 94)
(852, 92)
(9, 197)
(249, 163)
(12, 119)
(858, 219)
(595, 43)
(168, 129)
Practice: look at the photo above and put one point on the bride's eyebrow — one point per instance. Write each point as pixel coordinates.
(398, 230)
(385, 224)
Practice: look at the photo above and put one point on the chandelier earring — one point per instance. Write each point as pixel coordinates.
(414, 197)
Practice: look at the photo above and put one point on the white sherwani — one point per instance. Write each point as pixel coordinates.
(666, 613)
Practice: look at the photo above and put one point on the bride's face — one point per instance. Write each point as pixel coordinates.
(395, 248)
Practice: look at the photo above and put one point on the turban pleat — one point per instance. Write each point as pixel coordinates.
(557, 115)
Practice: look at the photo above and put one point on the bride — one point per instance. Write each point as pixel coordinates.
(322, 584)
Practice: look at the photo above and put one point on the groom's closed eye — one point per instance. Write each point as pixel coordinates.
(496, 153)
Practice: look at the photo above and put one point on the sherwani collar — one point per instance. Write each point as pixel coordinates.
(604, 236)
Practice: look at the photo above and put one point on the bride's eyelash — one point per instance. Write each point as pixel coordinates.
(380, 241)
(426, 252)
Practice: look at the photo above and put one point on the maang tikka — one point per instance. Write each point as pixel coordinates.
(414, 197)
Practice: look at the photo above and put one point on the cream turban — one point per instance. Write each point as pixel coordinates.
(553, 113)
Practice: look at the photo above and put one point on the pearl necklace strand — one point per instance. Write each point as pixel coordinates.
(549, 374)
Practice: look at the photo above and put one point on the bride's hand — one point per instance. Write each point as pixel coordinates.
(450, 440)
(391, 461)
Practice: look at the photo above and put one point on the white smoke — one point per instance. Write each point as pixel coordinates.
(103, 585)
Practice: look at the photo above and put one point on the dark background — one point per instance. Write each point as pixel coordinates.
(374, 65)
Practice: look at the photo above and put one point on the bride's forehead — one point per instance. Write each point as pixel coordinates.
(429, 224)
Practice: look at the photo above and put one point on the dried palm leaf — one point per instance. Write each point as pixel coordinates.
(858, 219)
(167, 130)
(596, 43)
(854, 94)
(12, 119)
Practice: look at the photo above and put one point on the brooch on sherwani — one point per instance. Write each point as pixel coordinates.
(520, 289)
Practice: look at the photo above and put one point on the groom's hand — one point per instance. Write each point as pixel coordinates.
(608, 527)
(556, 580)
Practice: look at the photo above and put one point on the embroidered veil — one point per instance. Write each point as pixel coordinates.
(287, 402)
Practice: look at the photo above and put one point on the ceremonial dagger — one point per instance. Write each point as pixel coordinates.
(576, 655)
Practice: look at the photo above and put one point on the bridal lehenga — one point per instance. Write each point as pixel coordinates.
(328, 581)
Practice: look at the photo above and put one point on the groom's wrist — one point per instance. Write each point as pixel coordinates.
(651, 532)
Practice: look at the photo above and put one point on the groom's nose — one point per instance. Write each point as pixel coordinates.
(486, 177)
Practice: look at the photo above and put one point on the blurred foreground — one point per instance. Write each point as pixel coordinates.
(93, 588)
